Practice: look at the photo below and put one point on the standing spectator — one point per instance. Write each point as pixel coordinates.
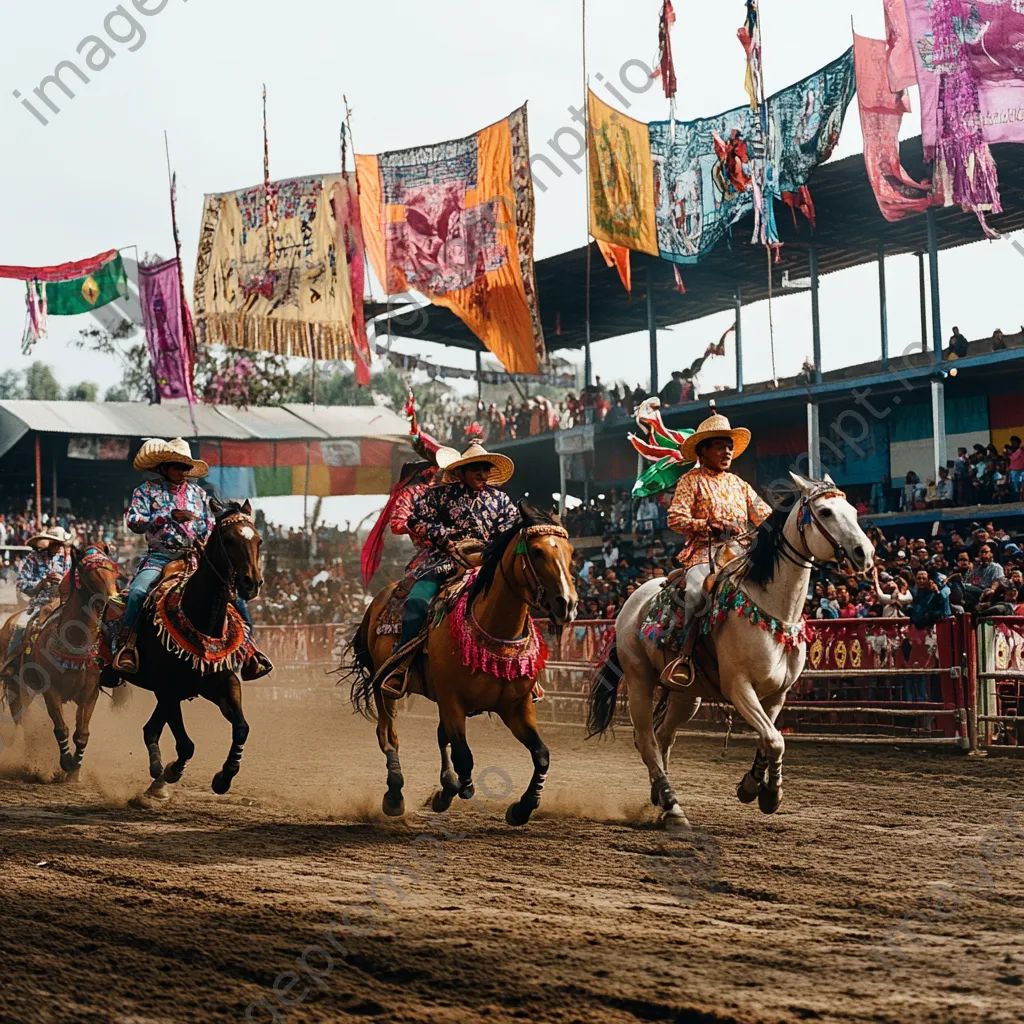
(1016, 463)
(912, 492)
(672, 392)
(929, 603)
(957, 345)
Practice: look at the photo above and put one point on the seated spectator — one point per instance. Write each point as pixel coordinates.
(845, 608)
(929, 604)
(957, 345)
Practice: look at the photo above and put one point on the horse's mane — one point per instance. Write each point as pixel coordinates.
(763, 557)
(495, 549)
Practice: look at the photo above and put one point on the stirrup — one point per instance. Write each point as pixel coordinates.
(678, 674)
(126, 660)
(258, 666)
(401, 676)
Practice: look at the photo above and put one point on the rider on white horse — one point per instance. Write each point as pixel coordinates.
(712, 509)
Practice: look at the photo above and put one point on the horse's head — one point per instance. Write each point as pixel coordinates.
(93, 572)
(547, 563)
(234, 547)
(828, 526)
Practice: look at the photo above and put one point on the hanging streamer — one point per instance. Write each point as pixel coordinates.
(665, 67)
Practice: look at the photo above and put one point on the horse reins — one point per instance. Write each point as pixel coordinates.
(806, 515)
(229, 520)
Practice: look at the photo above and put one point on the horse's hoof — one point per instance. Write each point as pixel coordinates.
(172, 775)
(441, 801)
(157, 794)
(769, 799)
(67, 763)
(747, 789)
(393, 804)
(467, 791)
(221, 783)
(517, 814)
(675, 821)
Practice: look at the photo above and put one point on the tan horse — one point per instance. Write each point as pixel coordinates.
(62, 666)
(528, 567)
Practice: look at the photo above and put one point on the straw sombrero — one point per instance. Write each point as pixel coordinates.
(449, 460)
(716, 425)
(155, 452)
(57, 533)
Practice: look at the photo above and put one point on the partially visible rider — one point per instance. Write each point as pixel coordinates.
(456, 518)
(172, 512)
(40, 576)
(713, 509)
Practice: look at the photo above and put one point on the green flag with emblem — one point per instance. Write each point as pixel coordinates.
(84, 294)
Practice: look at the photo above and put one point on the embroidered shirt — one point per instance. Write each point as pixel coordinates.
(36, 567)
(150, 514)
(703, 494)
(402, 510)
(450, 513)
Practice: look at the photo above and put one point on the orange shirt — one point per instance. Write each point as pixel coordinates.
(703, 494)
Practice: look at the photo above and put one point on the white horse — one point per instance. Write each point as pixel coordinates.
(752, 667)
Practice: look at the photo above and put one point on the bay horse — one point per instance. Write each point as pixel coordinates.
(228, 563)
(752, 650)
(62, 665)
(476, 658)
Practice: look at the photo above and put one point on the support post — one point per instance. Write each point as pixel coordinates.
(933, 271)
(924, 304)
(39, 484)
(588, 366)
(652, 330)
(479, 381)
(563, 483)
(812, 255)
(739, 339)
(883, 308)
(53, 507)
(938, 427)
(813, 441)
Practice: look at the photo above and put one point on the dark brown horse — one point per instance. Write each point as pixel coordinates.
(228, 564)
(62, 666)
(526, 568)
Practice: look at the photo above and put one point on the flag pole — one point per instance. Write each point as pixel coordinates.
(588, 368)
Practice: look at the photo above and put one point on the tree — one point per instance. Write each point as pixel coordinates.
(84, 392)
(10, 385)
(136, 384)
(41, 384)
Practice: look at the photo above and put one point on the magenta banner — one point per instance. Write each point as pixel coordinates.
(992, 34)
(166, 323)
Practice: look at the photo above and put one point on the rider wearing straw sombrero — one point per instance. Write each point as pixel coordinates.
(173, 514)
(456, 518)
(40, 575)
(712, 508)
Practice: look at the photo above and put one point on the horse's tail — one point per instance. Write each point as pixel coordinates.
(604, 690)
(360, 669)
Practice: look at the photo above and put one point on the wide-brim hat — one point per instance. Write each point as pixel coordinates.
(156, 452)
(502, 466)
(57, 533)
(716, 426)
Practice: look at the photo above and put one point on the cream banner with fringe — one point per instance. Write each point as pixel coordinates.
(298, 304)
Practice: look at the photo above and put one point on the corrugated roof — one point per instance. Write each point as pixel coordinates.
(136, 419)
(353, 420)
(122, 419)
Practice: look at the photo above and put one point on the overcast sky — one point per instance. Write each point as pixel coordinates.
(415, 72)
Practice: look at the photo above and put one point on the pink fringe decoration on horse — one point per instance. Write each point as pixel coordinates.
(503, 659)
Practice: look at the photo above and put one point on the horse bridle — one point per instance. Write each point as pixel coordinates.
(230, 519)
(805, 516)
(532, 579)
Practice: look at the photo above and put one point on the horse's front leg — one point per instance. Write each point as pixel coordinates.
(55, 709)
(230, 704)
(443, 798)
(183, 745)
(521, 718)
(151, 732)
(393, 804)
(765, 776)
(83, 718)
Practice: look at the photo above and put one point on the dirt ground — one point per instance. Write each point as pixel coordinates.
(199, 910)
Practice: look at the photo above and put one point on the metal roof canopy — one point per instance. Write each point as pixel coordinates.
(136, 419)
(850, 232)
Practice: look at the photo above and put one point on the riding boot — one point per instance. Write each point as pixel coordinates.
(126, 660)
(396, 686)
(678, 674)
(257, 666)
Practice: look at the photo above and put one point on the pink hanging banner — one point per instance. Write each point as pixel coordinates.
(902, 74)
(166, 325)
(881, 113)
(991, 34)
